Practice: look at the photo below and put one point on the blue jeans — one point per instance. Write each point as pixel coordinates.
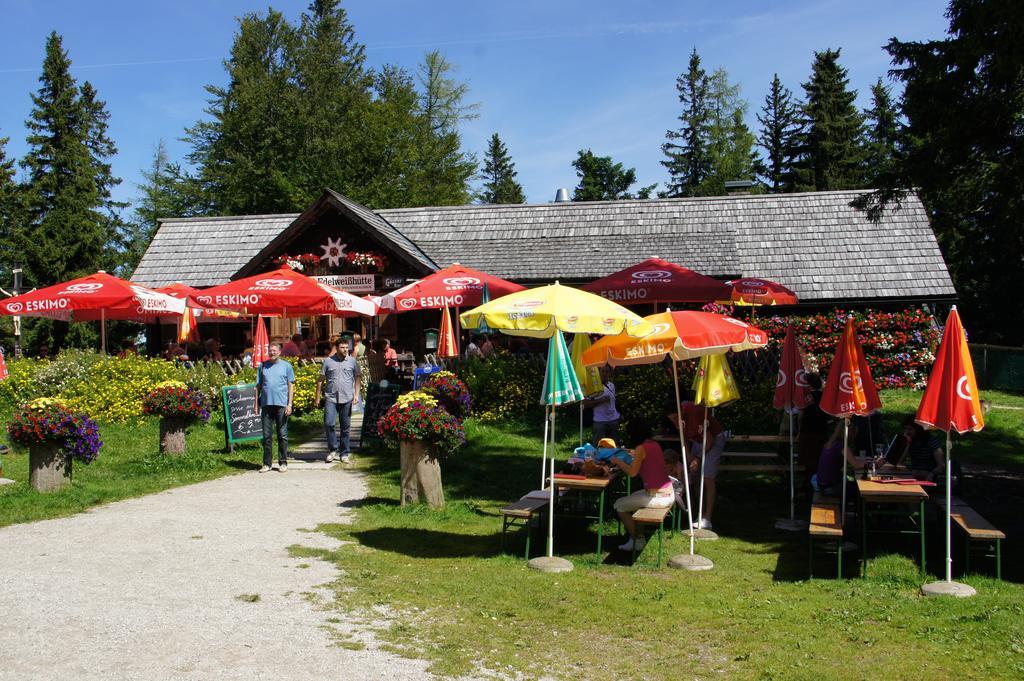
(273, 417)
(342, 414)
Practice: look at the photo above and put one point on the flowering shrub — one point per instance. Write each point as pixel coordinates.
(452, 393)
(175, 399)
(49, 420)
(503, 387)
(305, 387)
(419, 417)
(899, 346)
(356, 259)
(298, 262)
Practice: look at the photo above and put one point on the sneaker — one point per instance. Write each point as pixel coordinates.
(332, 457)
(283, 468)
(704, 524)
(346, 458)
(264, 469)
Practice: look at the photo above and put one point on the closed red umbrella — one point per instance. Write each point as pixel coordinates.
(850, 391)
(791, 393)
(951, 402)
(284, 292)
(260, 343)
(658, 281)
(447, 345)
(454, 286)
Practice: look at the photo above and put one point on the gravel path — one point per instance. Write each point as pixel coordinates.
(149, 588)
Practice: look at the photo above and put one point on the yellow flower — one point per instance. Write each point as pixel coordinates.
(427, 399)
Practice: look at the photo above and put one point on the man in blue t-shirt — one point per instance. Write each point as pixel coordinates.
(340, 374)
(275, 388)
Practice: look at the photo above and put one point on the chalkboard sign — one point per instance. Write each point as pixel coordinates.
(240, 419)
(378, 400)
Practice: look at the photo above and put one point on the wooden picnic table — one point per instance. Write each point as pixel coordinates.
(591, 485)
(874, 496)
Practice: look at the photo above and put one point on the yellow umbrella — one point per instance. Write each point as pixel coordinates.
(539, 312)
(589, 377)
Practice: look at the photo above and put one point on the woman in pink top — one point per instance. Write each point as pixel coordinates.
(649, 462)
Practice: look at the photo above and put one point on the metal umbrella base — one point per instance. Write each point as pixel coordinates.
(550, 564)
(948, 589)
(685, 561)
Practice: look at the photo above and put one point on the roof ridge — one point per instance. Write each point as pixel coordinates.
(200, 218)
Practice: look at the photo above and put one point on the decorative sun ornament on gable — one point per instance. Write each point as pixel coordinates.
(334, 251)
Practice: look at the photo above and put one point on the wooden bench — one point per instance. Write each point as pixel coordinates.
(656, 518)
(826, 523)
(976, 529)
(520, 514)
(764, 459)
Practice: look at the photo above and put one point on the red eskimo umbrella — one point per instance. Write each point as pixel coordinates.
(757, 291)
(448, 345)
(260, 344)
(791, 393)
(850, 391)
(454, 286)
(94, 297)
(284, 292)
(658, 281)
(188, 294)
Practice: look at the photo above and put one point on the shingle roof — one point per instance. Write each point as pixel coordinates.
(206, 251)
(814, 243)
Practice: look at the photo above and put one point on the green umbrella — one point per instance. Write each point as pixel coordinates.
(485, 298)
(560, 387)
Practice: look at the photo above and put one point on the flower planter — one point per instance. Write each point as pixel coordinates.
(172, 435)
(49, 468)
(421, 475)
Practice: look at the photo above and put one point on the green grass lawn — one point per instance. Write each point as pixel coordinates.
(130, 465)
(444, 591)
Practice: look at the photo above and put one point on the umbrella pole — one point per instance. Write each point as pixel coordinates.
(949, 506)
(581, 424)
(551, 505)
(846, 433)
(686, 463)
(544, 459)
(703, 455)
(792, 474)
(103, 331)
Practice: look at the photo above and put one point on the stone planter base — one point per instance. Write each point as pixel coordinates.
(172, 435)
(49, 469)
(421, 475)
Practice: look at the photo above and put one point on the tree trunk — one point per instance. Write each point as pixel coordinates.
(49, 469)
(420, 476)
(172, 435)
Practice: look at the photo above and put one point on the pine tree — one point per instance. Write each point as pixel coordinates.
(963, 101)
(730, 144)
(499, 175)
(780, 128)
(68, 230)
(601, 179)
(831, 143)
(882, 134)
(442, 169)
(248, 154)
(334, 103)
(10, 212)
(685, 149)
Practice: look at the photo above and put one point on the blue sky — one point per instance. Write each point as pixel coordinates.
(551, 77)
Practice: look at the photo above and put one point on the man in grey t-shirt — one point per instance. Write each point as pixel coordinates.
(340, 375)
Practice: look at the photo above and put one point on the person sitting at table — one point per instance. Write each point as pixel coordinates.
(390, 354)
(294, 347)
(649, 462)
(923, 449)
(696, 441)
(828, 479)
(813, 429)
